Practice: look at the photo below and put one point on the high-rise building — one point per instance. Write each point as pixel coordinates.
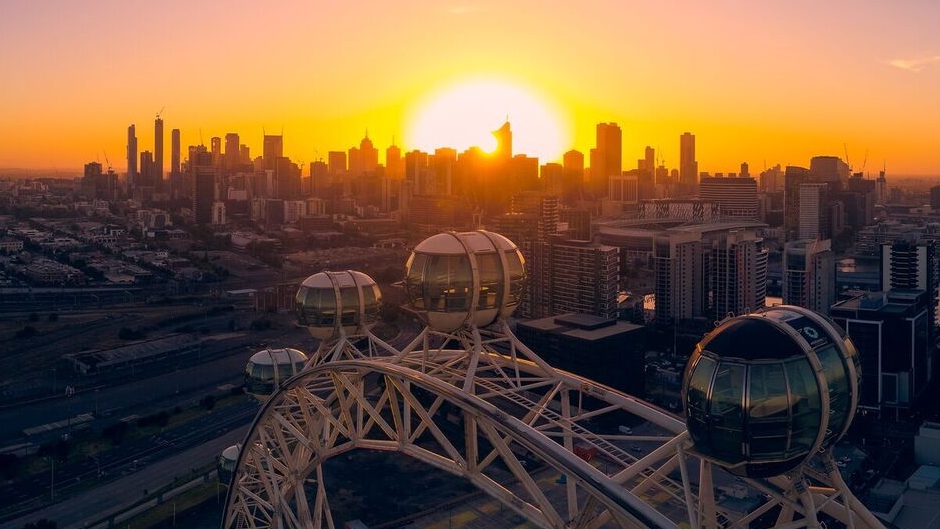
(368, 156)
(147, 171)
(606, 157)
(215, 147)
(416, 172)
(394, 164)
(175, 151)
(935, 198)
(544, 206)
(552, 177)
(771, 179)
(708, 271)
(736, 197)
(131, 157)
(573, 276)
(814, 212)
(892, 332)
(688, 166)
(740, 273)
(809, 274)
(646, 175)
(158, 152)
(829, 169)
(272, 149)
(204, 185)
(793, 178)
(442, 166)
(503, 135)
(336, 161)
(909, 265)
(232, 153)
(90, 178)
(623, 189)
(319, 176)
(681, 282)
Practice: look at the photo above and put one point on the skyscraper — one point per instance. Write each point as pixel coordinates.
(740, 273)
(503, 137)
(394, 164)
(176, 178)
(158, 151)
(706, 271)
(809, 275)
(204, 176)
(336, 161)
(572, 276)
(215, 147)
(175, 151)
(232, 152)
(272, 149)
(368, 156)
(131, 157)
(814, 212)
(606, 157)
(793, 178)
(688, 166)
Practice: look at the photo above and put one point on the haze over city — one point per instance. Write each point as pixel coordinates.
(469, 264)
(756, 82)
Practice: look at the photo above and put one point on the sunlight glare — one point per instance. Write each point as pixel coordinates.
(465, 114)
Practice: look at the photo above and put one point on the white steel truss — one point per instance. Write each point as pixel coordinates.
(520, 420)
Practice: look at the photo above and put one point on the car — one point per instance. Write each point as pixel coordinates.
(636, 448)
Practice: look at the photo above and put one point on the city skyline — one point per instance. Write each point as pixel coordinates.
(756, 83)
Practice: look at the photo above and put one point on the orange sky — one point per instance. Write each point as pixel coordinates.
(761, 82)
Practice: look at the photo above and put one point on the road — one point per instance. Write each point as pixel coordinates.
(102, 502)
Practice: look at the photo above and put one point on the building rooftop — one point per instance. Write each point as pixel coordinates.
(581, 326)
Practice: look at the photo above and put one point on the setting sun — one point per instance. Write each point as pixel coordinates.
(465, 114)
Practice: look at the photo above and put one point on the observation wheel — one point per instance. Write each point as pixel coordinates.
(545, 444)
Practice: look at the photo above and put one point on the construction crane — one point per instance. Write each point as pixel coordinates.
(161, 111)
(107, 161)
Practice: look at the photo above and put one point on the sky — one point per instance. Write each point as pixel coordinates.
(756, 81)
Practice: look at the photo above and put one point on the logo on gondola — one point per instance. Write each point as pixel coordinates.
(810, 332)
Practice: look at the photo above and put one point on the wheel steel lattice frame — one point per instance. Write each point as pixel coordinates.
(519, 422)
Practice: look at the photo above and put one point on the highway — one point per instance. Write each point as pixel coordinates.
(100, 502)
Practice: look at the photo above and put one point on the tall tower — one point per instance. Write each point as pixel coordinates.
(204, 176)
(368, 156)
(175, 151)
(232, 152)
(606, 157)
(688, 167)
(176, 178)
(158, 151)
(503, 137)
(393, 161)
(272, 149)
(131, 156)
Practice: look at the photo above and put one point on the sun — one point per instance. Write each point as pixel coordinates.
(464, 114)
